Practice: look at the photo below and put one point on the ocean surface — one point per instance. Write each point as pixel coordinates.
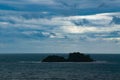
(30, 67)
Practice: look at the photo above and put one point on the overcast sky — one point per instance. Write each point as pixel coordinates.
(59, 26)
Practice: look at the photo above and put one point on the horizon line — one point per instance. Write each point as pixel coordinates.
(56, 53)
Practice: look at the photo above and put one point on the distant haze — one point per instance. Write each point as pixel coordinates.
(59, 26)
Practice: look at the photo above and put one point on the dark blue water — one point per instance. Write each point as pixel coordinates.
(25, 57)
(29, 67)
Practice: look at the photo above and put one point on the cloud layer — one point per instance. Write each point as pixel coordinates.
(60, 27)
(80, 24)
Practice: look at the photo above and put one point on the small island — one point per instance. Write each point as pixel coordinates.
(72, 57)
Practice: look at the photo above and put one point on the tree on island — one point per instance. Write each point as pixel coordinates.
(72, 57)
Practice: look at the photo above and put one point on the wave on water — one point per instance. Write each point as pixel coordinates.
(94, 62)
(29, 61)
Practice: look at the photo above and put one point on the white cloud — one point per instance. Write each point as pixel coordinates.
(62, 26)
(41, 1)
(112, 39)
(89, 29)
(76, 29)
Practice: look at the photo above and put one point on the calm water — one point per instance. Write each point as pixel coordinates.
(29, 67)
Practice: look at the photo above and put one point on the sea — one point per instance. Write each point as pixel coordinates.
(30, 67)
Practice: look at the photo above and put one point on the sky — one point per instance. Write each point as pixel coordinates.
(59, 26)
